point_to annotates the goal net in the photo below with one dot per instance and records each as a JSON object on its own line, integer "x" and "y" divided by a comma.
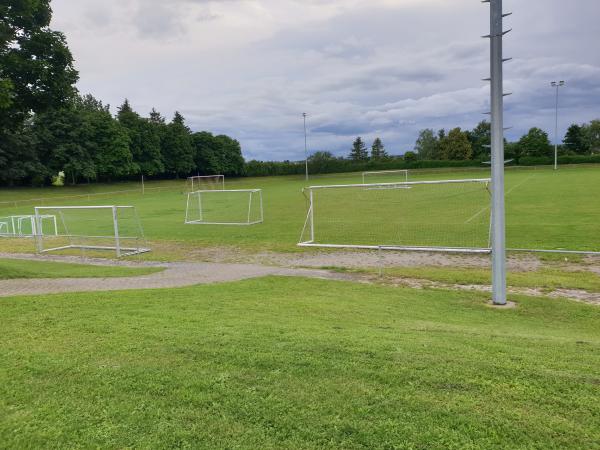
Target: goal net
{"x": 231, "y": 207}
{"x": 385, "y": 176}
{"x": 451, "y": 215}
{"x": 26, "y": 226}
{"x": 112, "y": 228}
{"x": 205, "y": 182}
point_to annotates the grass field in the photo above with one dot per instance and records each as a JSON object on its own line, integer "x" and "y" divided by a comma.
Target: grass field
{"x": 13, "y": 269}
{"x": 295, "y": 363}
{"x": 545, "y": 209}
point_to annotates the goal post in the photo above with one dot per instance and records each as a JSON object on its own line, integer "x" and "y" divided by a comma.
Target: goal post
{"x": 224, "y": 207}
{"x": 385, "y": 176}
{"x": 205, "y": 182}
{"x": 112, "y": 228}
{"x": 445, "y": 216}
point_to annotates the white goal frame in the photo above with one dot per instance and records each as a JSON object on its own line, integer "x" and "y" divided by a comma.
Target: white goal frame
{"x": 385, "y": 172}
{"x": 120, "y": 249}
{"x": 310, "y": 219}
{"x": 220, "y": 182}
{"x": 12, "y": 226}
{"x": 200, "y": 194}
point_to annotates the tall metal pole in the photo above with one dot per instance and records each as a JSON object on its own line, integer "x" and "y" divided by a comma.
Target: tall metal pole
{"x": 305, "y": 146}
{"x": 497, "y": 128}
{"x": 556, "y": 85}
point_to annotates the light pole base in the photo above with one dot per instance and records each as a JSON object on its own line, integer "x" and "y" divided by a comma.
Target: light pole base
{"x": 508, "y": 305}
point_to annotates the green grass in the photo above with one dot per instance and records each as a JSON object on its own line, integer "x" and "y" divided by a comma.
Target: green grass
{"x": 294, "y": 363}
{"x": 545, "y": 209}
{"x": 14, "y": 268}
{"x": 549, "y": 278}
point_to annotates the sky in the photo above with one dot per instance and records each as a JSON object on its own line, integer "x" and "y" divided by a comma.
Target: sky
{"x": 369, "y": 68}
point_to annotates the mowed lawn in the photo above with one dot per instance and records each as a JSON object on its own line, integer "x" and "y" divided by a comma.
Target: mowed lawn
{"x": 296, "y": 363}
{"x": 545, "y": 210}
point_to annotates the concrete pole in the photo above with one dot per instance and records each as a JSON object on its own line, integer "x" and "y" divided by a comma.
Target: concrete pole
{"x": 497, "y": 126}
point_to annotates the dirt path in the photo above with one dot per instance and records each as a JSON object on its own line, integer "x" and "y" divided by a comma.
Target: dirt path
{"x": 174, "y": 275}
{"x": 183, "y": 274}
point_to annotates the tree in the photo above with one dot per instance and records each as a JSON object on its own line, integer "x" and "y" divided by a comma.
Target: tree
{"x": 144, "y": 141}
{"x": 378, "y": 150}
{"x": 535, "y": 143}
{"x": 320, "y": 162}
{"x": 62, "y": 141}
{"x": 36, "y": 75}
{"x": 359, "y": 150}
{"x": 83, "y": 140}
{"x": 426, "y": 146}
{"x": 456, "y": 146}
{"x": 575, "y": 140}
{"x": 177, "y": 148}
{"x": 592, "y": 136}
{"x": 481, "y": 139}
{"x": 410, "y": 157}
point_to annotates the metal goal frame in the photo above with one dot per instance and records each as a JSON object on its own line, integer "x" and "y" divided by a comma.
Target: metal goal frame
{"x": 120, "y": 249}
{"x": 199, "y": 194}
{"x": 310, "y": 219}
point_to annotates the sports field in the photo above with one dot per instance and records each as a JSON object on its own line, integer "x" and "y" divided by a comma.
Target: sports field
{"x": 545, "y": 210}
{"x": 412, "y": 357}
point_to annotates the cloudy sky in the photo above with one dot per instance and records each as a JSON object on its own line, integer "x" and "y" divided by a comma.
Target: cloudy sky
{"x": 387, "y": 68}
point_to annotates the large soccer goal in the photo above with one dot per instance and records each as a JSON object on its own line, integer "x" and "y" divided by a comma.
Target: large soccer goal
{"x": 205, "y": 182}
{"x": 112, "y": 228}
{"x": 450, "y": 216}
{"x": 385, "y": 176}
{"x": 225, "y": 207}
{"x": 26, "y": 226}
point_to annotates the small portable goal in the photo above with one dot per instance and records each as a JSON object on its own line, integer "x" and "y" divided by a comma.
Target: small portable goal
{"x": 385, "y": 176}
{"x": 224, "y": 207}
{"x": 205, "y": 182}
{"x": 108, "y": 228}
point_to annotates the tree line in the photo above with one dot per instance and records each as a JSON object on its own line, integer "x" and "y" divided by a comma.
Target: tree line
{"x": 47, "y": 127}
{"x": 459, "y": 145}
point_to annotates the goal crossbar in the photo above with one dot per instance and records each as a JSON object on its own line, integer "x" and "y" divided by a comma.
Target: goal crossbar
{"x": 399, "y": 183}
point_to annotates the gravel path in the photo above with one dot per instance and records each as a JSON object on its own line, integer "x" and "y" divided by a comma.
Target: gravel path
{"x": 174, "y": 275}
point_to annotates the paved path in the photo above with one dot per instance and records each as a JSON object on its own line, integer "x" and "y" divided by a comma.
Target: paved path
{"x": 174, "y": 275}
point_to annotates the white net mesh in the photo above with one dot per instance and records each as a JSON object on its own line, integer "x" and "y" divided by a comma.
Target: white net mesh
{"x": 115, "y": 228}
{"x": 433, "y": 215}
{"x": 236, "y": 207}
{"x": 385, "y": 176}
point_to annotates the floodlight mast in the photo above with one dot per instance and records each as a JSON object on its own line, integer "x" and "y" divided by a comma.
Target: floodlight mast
{"x": 557, "y": 85}
{"x": 497, "y": 128}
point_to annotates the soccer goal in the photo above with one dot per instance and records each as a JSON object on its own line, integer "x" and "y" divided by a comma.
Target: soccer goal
{"x": 448, "y": 216}
{"x": 206, "y": 182}
{"x": 112, "y": 228}
{"x": 225, "y": 207}
{"x": 26, "y": 226}
{"x": 385, "y": 176}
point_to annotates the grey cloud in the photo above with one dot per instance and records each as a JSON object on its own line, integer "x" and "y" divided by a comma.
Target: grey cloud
{"x": 375, "y": 68}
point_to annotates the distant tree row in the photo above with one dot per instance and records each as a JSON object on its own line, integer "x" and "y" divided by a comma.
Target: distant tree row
{"x": 475, "y": 144}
